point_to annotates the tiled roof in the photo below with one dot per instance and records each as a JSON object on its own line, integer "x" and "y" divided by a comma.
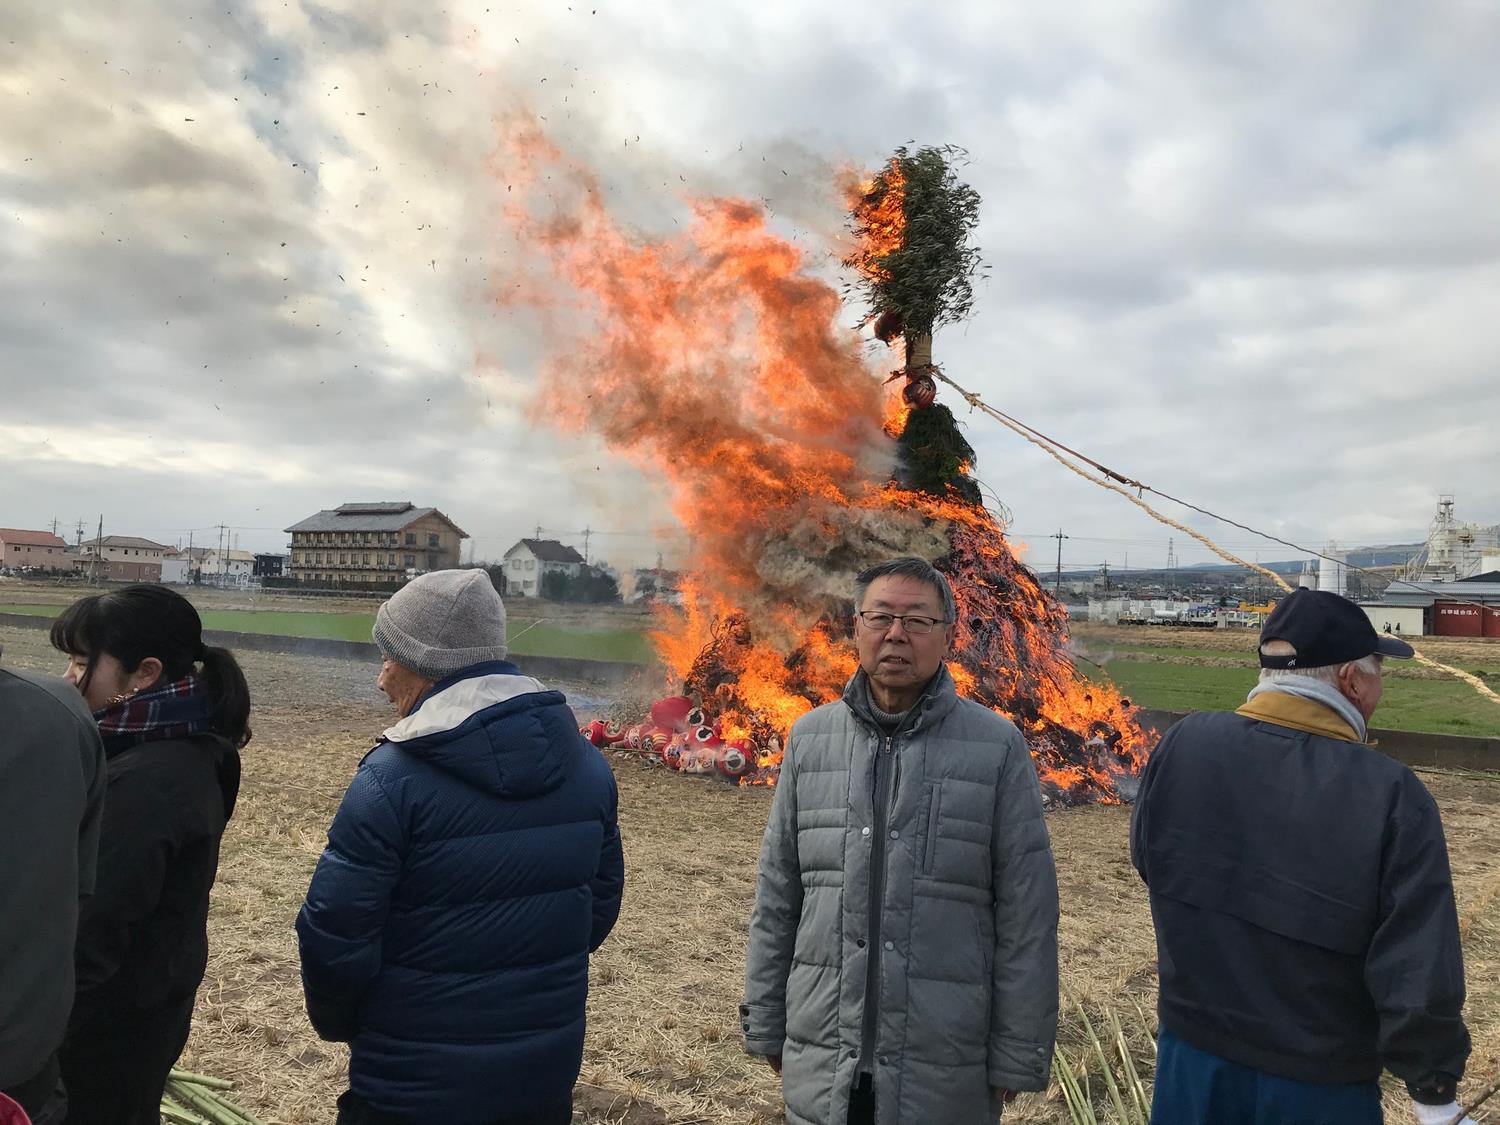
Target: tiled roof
{"x": 132, "y": 541}
{"x": 384, "y": 516}
{"x": 18, "y": 537}
{"x": 550, "y": 550}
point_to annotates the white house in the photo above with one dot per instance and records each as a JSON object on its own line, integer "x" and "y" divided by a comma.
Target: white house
{"x": 232, "y": 566}
{"x": 530, "y": 559}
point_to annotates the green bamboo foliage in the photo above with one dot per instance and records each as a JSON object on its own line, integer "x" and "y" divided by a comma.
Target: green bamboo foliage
{"x": 927, "y": 281}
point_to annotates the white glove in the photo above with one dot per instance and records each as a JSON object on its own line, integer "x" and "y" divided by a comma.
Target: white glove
{"x": 1439, "y": 1114}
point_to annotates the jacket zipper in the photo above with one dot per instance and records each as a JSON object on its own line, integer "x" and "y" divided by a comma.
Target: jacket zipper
{"x": 887, "y": 767}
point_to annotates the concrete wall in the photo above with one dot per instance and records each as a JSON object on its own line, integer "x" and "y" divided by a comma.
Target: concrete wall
{"x": 1404, "y": 619}
{"x": 602, "y": 672}
{"x": 1436, "y": 751}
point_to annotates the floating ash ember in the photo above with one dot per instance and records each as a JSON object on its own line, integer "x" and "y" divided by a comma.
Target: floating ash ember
{"x": 712, "y": 359}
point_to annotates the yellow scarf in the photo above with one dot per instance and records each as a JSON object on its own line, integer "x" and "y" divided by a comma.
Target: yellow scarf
{"x": 1300, "y": 714}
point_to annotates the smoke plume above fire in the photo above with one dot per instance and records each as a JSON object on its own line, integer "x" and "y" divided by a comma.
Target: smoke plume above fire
{"x": 721, "y": 365}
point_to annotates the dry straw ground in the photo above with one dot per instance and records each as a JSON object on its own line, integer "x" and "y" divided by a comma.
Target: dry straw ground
{"x": 663, "y": 1039}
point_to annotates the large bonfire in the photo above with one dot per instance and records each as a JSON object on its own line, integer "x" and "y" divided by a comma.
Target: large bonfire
{"x": 714, "y": 360}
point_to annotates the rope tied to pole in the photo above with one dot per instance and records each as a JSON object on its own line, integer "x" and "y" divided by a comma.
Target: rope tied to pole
{"x": 1051, "y": 447}
{"x": 1046, "y": 445}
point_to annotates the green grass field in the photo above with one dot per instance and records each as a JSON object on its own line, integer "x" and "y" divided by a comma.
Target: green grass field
{"x": 1168, "y": 677}
{"x": 1444, "y": 706}
{"x": 528, "y": 638}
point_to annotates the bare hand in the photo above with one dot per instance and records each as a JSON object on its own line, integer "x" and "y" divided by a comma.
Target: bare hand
{"x": 774, "y": 1061}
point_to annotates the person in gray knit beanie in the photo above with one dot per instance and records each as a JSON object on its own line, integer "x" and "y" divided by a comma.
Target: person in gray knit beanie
{"x": 441, "y": 623}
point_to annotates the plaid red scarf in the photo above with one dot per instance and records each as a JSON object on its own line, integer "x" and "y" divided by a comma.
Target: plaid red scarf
{"x": 173, "y": 710}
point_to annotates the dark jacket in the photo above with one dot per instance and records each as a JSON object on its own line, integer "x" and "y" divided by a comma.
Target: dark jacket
{"x": 1304, "y": 910}
{"x": 51, "y": 800}
{"x": 473, "y": 866}
{"x": 143, "y": 936}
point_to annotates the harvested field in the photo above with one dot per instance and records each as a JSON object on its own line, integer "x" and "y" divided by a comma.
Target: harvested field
{"x": 663, "y": 1043}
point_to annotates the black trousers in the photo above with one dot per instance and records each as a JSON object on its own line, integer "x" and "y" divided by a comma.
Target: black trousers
{"x": 42, "y": 1096}
{"x": 354, "y": 1110}
{"x": 116, "y": 1077}
{"x": 862, "y": 1102}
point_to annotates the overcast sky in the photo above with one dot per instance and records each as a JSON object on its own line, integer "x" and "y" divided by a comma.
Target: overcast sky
{"x": 1247, "y": 253}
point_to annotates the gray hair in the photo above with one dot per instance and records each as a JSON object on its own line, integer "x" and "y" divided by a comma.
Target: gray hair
{"x": 908, "y": 566}
{"x": 1329, "y": 673}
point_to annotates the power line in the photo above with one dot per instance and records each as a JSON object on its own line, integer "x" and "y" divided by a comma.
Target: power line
{"x": 1052, "y": 445}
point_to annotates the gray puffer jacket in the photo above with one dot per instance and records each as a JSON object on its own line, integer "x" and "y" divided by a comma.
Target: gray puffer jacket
{"x": 905, "y": 918}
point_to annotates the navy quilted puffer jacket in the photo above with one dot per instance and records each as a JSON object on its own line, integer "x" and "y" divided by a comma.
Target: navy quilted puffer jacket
{"x": 472, "y": 868}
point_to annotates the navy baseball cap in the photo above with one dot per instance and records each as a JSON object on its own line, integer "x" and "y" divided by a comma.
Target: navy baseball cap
{"x": 1325, "y": 630}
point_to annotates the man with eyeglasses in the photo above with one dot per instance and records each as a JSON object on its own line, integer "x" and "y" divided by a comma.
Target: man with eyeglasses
{"x": 902, "y": 964}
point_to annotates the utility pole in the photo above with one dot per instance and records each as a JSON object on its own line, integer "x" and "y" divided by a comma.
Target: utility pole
{"x": 1057, "y": 586}
{"x": 192, "y": 579}
{"x": 54, "y": 525}
{"x": 98, "y": 552}
{"x": 586, "y": 533}
{"x": 78, "y": 543}
{"x": 538, "y": 531}
{"x": 1171, "y": 564}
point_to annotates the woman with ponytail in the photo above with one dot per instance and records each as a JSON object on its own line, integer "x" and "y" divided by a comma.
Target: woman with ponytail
{"x": 173, "y": 714}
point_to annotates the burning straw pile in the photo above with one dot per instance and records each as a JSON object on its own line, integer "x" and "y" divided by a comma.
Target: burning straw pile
{"x": 714, "y": 361}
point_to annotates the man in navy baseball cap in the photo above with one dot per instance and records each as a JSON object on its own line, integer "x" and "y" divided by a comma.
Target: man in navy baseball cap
{"x": 1306, "y": 931}
{"x": 1319, "y": 629}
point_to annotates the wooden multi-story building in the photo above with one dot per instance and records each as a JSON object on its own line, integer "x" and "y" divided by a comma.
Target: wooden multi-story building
{"x": 361, "y": 544}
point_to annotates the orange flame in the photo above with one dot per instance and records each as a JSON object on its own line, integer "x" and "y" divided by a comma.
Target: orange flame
{"x": 712, "y": 359}
{"x": 878, "y": 205}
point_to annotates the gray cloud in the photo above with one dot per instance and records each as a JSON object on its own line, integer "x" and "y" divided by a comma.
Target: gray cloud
{"x": 1241, "y": 253}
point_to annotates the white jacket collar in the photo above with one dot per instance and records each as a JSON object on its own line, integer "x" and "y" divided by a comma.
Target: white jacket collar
{"x": 450, "y": 708}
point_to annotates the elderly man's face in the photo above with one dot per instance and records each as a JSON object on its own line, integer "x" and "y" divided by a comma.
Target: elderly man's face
{"x": 401, "y": 686}
{"x": 898, "y": 661}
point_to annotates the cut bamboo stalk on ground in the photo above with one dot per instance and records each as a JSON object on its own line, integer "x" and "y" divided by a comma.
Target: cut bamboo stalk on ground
{"x": 176, "y": 1114}
{"x": 199, "y": 1079}
{"x": 198, "y": 1099}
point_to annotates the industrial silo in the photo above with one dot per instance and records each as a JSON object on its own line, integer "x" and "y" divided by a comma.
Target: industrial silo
{"x": 1333, "y": 570}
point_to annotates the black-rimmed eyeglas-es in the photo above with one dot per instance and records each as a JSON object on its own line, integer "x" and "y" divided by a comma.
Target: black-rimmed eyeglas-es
{"x": 881, "y": 622}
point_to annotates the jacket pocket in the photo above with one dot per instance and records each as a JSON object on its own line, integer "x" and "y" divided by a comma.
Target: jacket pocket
{"x": 934, "y": 814}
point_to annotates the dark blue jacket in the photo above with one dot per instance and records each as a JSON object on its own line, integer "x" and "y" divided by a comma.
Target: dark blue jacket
{"x": 1305, "y": 921}
{"x": 472, "y": 868}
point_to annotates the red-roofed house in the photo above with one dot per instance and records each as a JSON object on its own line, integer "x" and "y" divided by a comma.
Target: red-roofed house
{"x": 40, "y": 549}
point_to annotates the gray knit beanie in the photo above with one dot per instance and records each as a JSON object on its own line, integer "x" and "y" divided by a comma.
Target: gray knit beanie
{"x": 442, "y": 622}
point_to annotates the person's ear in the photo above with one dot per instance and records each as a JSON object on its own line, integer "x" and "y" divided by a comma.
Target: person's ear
{"x": 146, "y": 673}
{"x": 1349, "y": 685}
